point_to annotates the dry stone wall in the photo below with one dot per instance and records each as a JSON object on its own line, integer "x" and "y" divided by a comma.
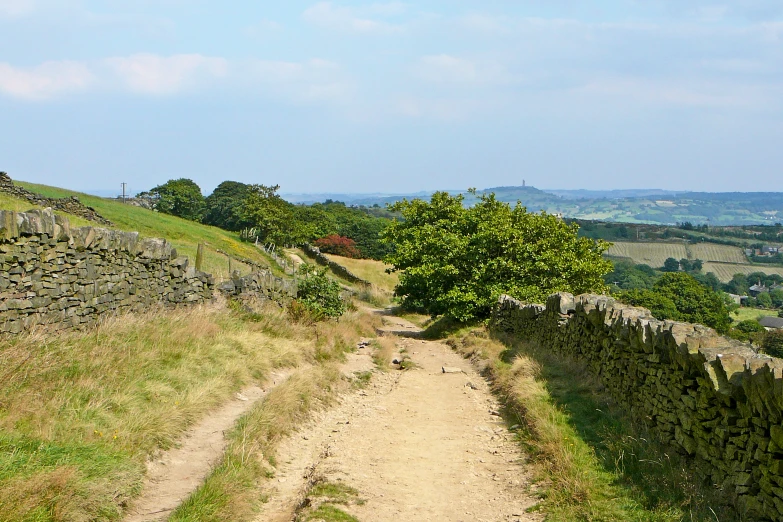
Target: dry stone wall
{"x": 338, "y": 269}
{"x": 70, "y": 205}
{"x": 712, "y": 398}
{"x": 260, "y": 285}
{"x": 53, "y": 275}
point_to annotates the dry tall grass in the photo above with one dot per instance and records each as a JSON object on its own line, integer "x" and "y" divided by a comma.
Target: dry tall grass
{"x": 80, "y": 412}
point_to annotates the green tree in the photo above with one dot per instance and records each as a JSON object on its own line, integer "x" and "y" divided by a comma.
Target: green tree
{"x": 671, "y": 265}
{"x": 685, "y": 264}
{"x": 738, "y": 285}
{"x": 697, "y": 265}
{"x": 747, "y": 330}
{"x": 269, "y": 214}
{"x": 764, "y": 300}
{"x": 777, "y": 297}
{"x": 223, "y": 208}
{"x": 695, "y": 302}
{"x": 178, "y": 197}
{"x": 662, "y": 307}
{"x": 456, "y": 261}
{"x": 772, "y": 344}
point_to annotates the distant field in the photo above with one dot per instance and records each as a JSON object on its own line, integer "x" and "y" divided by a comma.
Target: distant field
{"x": 725, "y": 271}
{"x": 369, "y": 270}
{"x": 743, "y": 314}
{"x": 653, "y": 254}
{"x": 722, "y": 253}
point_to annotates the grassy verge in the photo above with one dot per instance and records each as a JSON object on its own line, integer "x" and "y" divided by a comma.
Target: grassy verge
{"x": 183, "y": 234}
{"x": 593, "y": 462}
{"x": 80, "y": 413}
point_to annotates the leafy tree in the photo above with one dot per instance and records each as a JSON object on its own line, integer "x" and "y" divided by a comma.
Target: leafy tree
{"x": 772, "y": 344}
{"x": 338, "y": 245}
{"x": 764, "y": 300}
{"x": 692, "y": 302}
{"x": 697, "y": 265}
{"x": 738, "y": 285}
{"x": 710, "y": 280}
{"x": 671, "y": 265}
{"x": 780, "y": 314}
{"x": 747, "y": 330}
{"x": 661, "y": 306}
{"x": 270, "y": 214}
{"x": 223, "y": 208}
{"x": 457, "y": 261}
{"x": 685, "y": 264}
{"x": 178, "y": 197}
{"x": 319, "y": 294}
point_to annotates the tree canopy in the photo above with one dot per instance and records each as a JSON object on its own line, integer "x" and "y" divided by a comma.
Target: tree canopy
{"x": 679, "y": 296}
{"x": 456, "y": 261}
{"x": 223, "y": 206}
{"x": 178, "y": 197}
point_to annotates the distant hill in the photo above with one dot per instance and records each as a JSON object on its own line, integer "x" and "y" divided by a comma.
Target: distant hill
{"x": 611, "y": 194}
{"x": 651, "y": 206}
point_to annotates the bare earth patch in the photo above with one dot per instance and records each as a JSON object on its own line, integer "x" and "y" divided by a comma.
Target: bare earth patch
{"x": 416, "y": 445}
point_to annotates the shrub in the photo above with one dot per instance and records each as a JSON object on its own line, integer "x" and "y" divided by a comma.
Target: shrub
{"x": 318, "y": 294}
{"x": 339, "y": 246}
{"x": 747, "y": 330}
{"x": 772, "y": 344}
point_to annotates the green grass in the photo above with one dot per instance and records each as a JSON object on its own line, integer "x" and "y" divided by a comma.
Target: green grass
{"x": 743, "y": 314}
{"x": 81, "y": 412}
{"x": 322, "y": 501}
{"x": 184, "y": 235}
{"x": 595, "y": 463}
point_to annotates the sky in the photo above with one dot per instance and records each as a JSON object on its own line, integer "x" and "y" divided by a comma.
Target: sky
{"x": 393, "y": 97}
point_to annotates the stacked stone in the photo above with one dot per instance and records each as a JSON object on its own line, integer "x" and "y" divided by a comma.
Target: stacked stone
{"x": 711, "y": 397}
{"x": 53, "y": 275}
{"x": 315, "y": 253}
{"x": 260, "y": 285}
{"x": 70, "y": 205}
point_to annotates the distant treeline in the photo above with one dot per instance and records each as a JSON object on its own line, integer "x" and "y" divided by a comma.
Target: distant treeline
{"x": 258, "y": 211}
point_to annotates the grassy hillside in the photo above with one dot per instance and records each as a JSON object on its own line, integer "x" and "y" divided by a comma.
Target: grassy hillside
{"x": 81, "y": 412}
{"x": 183, "y": 234}
{"x": 371, "y": 271}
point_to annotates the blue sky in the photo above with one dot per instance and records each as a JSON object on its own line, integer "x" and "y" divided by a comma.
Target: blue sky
{"x": 396, "y": 96}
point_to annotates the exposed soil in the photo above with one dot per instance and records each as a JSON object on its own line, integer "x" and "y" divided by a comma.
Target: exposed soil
{"x": 175, "y": 474}
{"x": 418, "y": 445}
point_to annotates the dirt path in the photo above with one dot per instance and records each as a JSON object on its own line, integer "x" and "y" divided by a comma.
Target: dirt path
{"x": 419, "y": 445}
{"x": 175, "y": 474}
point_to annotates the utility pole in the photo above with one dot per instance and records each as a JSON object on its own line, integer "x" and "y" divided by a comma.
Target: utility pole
{"x": 123, "y": 191}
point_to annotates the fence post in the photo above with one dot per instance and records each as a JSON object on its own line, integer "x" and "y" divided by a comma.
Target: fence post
{"x": 200, "y": 257}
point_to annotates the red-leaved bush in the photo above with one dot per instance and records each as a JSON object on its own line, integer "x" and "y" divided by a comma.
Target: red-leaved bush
{"x": 338, "y": 245}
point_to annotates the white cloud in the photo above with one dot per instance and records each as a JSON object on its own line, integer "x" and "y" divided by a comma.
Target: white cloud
{"x": 693, "y": 92}
{"x": 154, "y": 74}
{"x": 448, "y": 69}
{"x": 357, "y": 20}
{"x": 44, "y": 81}
{"x": 14, "y": 8}
{"x": 310, "y": 81}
